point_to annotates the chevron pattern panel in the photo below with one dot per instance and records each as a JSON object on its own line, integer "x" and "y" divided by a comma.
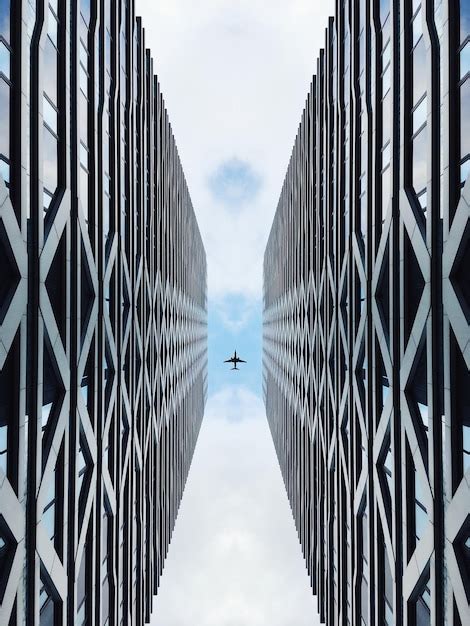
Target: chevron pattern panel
{"x": 366, "y": 317}
{"x": 103, "y": 317}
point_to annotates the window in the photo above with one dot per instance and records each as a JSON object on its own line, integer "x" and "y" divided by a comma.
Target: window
{"x": 386, "y": 184}
{"x": 463, "y": 57}
{"x": 384, "y": 10}
{"x": 3, "y": 446}
{"x": 81, "y": 468}
{"x": 420, "y": 115}
{"x": 52, "y": 391}
{"x": 5, "y": 20}
{"x": 8, "y": 381}
{"x": 4, "y": 118}
{"x": 83, "y": 54}
{"x": 465, "y": 61}
{"x": 49, "y": 115}
{"x": 386, "y": 156}
{"x": 4, "y": 60}
{"x": 84, "y": 156}
{"x": 417, "y": 26}
{"x": 419, "y": 162}
{"x": 48, "y": 607}
{"x": 46, "y": 201}
{"x": 49, "y": 514}
{"x": 420, "y": 513}
{"x": 421, "y": 608}
{"x": 52, "y": 27}
{"x": 465, "y": 120}
{"x": 50, "y": 161}
{"x": 464, "y": 20}
{"x": 85, "y": 11}
{"x": 82, "y": 589}
{"x": 83, "y": 191}
{"x": 386, "y": 116}
{"x": 386, "y": 584}
{"x": 83, "y": 80}
{"x": 5, "y": 170}
{"x": 419, "y": 58}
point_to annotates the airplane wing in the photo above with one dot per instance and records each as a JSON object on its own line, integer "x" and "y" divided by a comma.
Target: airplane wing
{"x": 241, "y": 361}
{"x": 230, "y": 360}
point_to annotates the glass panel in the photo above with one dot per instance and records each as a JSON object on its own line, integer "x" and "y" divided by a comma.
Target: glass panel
{"x": 364, "y": 601}
{"x": 385, "y": 193}
{"x": 466, "y": 447}
{"x": 83, "y": 55}
{"x": 4, "y": 118}
{"x": 384, "y": 10}
{"x": 421, "y": 514}
{"x": 419, "y": 71}
{"x": 50, "y": 73}
{"x": 81, "y": 467}
{"x": 48, "y": 517}
{"x": 423, "y": 200}
{"x": 416, "y": 4}
{"x": 105, "y": 600}
{"x": 83, "y": 115}
{"x": 386, "y": 55}
{"x": 465, "y": 119}
{"x": 52, "y": 28}
{"x": 5, "y": 171}
{"x": 84, "y": 388}
{"x": 386, "y": 156}
{"x": 81, "y": 592}
{"x": 464, "y": 171}
{"x": 417, "y": 28}
{"x": 83, "y": 80}
{"x": 388, "y": 467}
{"x": 46, "y": 201}
{"x": 50, "y": 161}
{"x": 388, "y": 591}
{"x": 49, "y": 115}
{"x": 83, "y": 197}
{"x": 4, "y": 60}
{"x": 465, "y": 60}
{"x": 386, "y": 80}
{"x": 5, "y": 19}
{"x": 386, "y": 113}
{"x": 47, "y": 612}
{"x": 45, "y": 414}
{"x": 83, "y": 156}
{"x": 107, "y": 58}
{"x": 464, "y": 20}
{"x": 419, "y": 115}
{"x": 423, "y": 612}
{"x": 420, "y": 145}
{"x": 85, "y": 10}
{"x": 3, "y": 446}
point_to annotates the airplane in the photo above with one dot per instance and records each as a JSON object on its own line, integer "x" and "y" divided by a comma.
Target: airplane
{"x": 235, "y": 360}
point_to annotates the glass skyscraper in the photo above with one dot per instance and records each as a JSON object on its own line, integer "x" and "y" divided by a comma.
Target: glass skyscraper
{"x": 103, "y": 317}
{"x": 367, "y": 313}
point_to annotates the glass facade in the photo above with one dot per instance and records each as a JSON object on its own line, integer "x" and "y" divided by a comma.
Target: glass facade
{"x": 103, "y": 317}
{"x": 367, "y": 313}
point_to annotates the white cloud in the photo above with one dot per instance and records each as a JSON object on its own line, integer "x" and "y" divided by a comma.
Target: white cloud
{"x": 235, "y": 75}
{"x": 234, "y": 558}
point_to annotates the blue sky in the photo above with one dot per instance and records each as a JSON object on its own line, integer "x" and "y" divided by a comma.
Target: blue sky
{"x": 235, "y": 183}
{"x": 235, "y": 75}
{"x": 235, "y": 326}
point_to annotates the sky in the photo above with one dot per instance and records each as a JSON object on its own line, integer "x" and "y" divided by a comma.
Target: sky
{"x": 235, "y": 76}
